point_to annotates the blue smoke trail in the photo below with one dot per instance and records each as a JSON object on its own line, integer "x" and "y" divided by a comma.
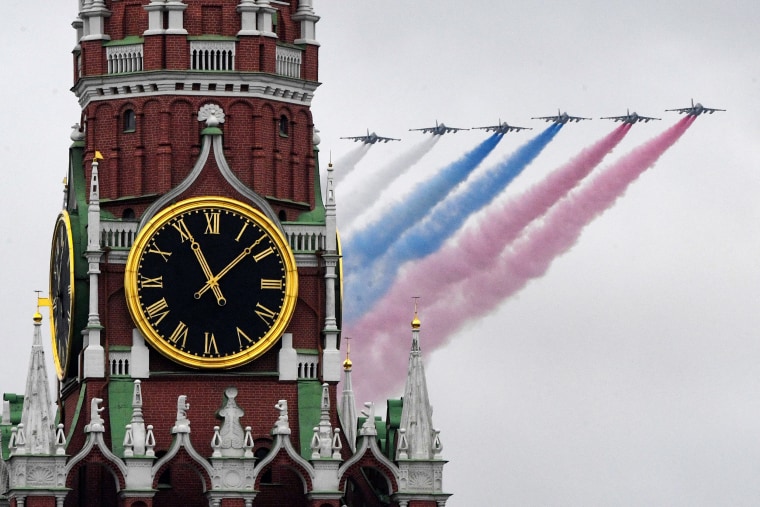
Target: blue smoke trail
{"x": 427, "y": 236}
{"x": 370, "y": 243}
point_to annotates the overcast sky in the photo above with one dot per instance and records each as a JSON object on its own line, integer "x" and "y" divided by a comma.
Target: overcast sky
{"x": 629, "y": 374}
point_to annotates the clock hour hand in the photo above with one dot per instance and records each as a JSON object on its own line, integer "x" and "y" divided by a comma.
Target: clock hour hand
{"x": 213, "y": 281}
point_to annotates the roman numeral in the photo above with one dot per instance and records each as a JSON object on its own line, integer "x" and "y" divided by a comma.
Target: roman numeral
{"x": 210, "y": 344}
{"x": 240, "y": 234}
{"x": 242, "y": 335}
{"x": 180, "y": 333}
{"x": 212, "y": 222}
{"x": 265, "y": 313}
{"x": 257, "y": 257}
{"x": 151, "y": 283}
{"x": 154, "y": 249}
{"x": 184, "y": 232}
{"x": 158, "y": 310}
{"x": 271, "y": 284}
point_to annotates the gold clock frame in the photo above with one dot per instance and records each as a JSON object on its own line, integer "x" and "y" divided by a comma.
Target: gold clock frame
{"x": 63, "y": 220}
{"x": 275, "y": 331}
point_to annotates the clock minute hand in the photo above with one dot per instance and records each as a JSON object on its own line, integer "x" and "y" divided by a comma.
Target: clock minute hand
{"x": 213, "y": 280}
{"x": 210, "y": 279}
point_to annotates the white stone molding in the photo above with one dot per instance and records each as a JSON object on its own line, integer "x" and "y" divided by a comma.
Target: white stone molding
{"x": 128, "y": 58}
{"x": 248, "y": 10}
{"x": 305, "y": 14}
{"x": 212, "y": 55}
{"x": 287, "y": 359}
{"x": 175, "y": 10}
{"x": 308, "y": 366}
{"x": 288, "y": 61}
{"x": 139, "y": 363}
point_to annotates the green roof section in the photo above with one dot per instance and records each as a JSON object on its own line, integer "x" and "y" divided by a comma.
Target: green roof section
{"x": 393, "y": 422}
{"x": 16, "y": 402}
{"x": 318, "y": 214}
{"x": 309, "y": 412}
{"x": 119, "y": 411}
{"x": 77, "y": 412}
{"x": 127, "y": 41}
{"x": 212, "y": 37}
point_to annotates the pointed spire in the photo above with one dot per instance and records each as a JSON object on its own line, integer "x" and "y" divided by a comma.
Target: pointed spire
{"x": 323, "y": 433}
{"x": 347, "y": 412}
{"x": 421, "y": 439}
{"x": 36, "y": 416}
{"x": 137, "y": 422}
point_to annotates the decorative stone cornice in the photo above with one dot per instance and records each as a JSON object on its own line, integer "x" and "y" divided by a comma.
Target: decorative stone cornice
{"x": 165, "y": 83}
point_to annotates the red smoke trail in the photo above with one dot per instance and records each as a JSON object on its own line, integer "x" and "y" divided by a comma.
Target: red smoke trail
{"x": 481, "y": 292}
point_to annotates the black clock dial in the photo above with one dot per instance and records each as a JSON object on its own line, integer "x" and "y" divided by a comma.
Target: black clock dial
{"x": 62, "y": 292}
{"x": 211, "y": 283}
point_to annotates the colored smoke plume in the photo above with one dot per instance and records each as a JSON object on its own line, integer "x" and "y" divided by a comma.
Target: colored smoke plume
{"x": 442, "y": 222}
{"x": 370, "y": 243}
{"x": 346, "y": 164}
{"x": 386, "y": 336}
{"x": 364, "y": 195}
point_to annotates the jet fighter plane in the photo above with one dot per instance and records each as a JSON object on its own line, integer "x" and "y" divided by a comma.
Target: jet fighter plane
{"x": 371, "y": 138}
{"x": 630, "y": 117}
{"x": 502, "y": 128}
{"x": 560, "y": 118}
{"x": 695, "y": 109}
{"x": 438, "y": 130}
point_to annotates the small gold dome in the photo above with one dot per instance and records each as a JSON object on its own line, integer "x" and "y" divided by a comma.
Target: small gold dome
{"x": 416, "y": 322}
{"x": 347, "y": 364}
{"x": 37, "y": 317}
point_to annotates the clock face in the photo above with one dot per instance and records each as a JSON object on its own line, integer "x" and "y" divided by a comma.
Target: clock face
{"x": 62, "y": 292}
{"x": 211, "y": 283}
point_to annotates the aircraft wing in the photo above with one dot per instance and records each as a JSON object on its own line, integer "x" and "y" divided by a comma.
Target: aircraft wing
{"x": 546, "y": 118}
{"x": 576, "y": 118}
{"x": 362, "y": 139}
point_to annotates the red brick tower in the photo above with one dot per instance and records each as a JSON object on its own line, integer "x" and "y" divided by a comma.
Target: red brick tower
{"x": 194, "y": 295}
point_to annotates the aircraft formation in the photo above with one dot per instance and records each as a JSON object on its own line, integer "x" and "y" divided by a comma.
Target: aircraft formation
{"x": 561, "y": 118}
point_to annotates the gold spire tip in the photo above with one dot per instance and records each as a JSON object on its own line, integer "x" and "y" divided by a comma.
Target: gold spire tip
{"x": 97, "y": 156}
{"x": 416, "y": 320}
{"x": 347, "y": 364}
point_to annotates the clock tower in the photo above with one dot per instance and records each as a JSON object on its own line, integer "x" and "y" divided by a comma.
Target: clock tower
{"x": 194, "y": 280}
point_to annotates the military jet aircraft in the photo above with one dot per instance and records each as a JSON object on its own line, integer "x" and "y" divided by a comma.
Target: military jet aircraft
{"x": 560, "y": 118}
{"x": 371, "y": 138}
{"x": 630, "y": 117}
{"x": 695, "y": 109}
{"x": 502, "y": 128}
{"x": 438, "y": 130}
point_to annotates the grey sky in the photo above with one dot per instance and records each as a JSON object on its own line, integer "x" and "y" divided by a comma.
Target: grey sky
{"x": 629, "y": 374}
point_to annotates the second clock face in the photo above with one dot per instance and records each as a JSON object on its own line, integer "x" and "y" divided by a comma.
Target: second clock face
{"x": 62, "y": 293}
{"x": 211, "y": 283}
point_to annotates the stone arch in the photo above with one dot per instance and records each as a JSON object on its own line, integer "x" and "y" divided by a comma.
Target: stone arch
{"x": 186, "y": 485}
{"x": 184, "y": 150}
{"x": 240, "y": 134}
{"x": 303, "y": 136}
{"x": 185, "y": 461}
{"x": 97, "y": 470}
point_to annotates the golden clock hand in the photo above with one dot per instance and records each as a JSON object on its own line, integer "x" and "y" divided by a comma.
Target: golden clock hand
{"x": 214, "y": 280}
{"x": 210, "y": 279}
